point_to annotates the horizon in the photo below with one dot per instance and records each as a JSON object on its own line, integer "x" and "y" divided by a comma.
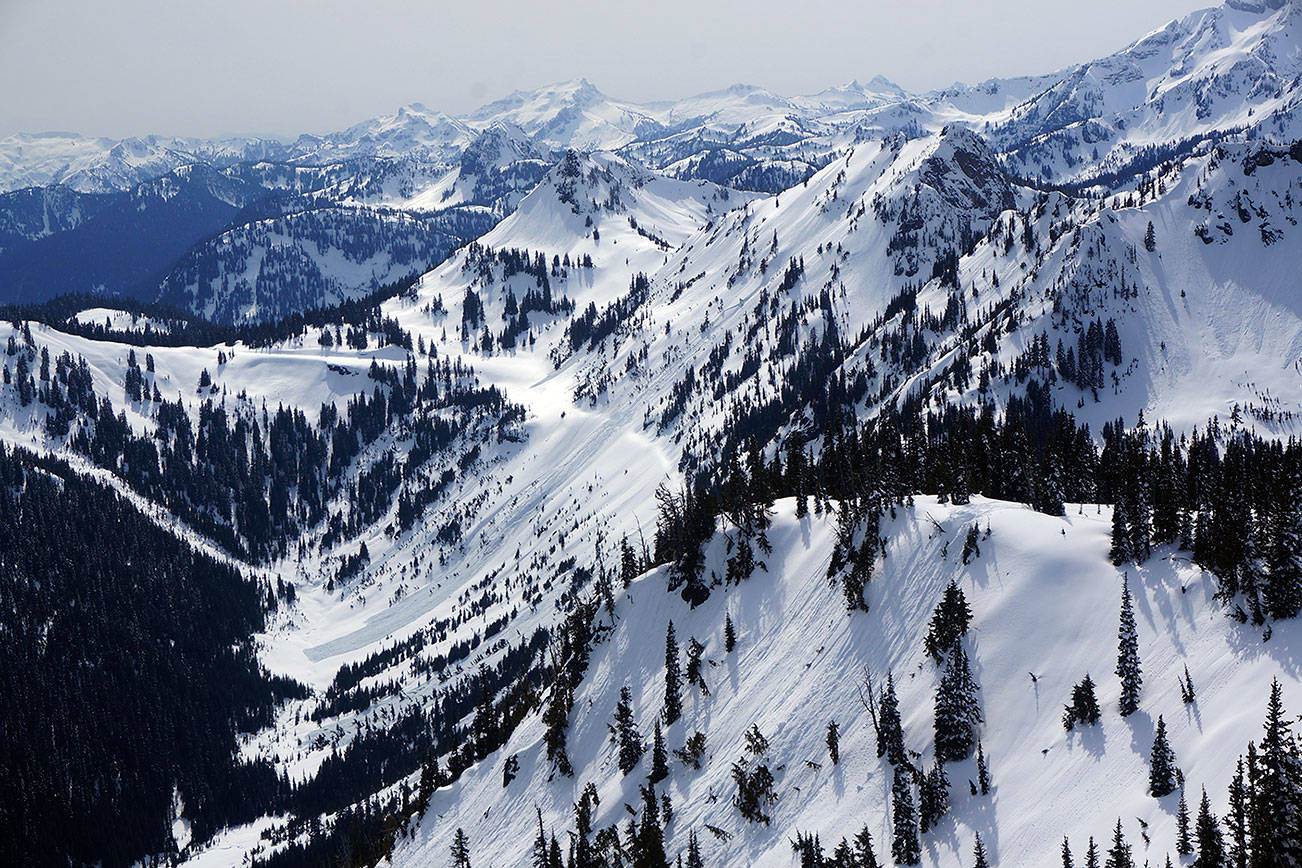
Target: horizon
{"x": 204, "y": 74}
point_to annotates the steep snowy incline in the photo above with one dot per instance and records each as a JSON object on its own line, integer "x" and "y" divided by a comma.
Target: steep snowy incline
{"x": 1045, "y": 601}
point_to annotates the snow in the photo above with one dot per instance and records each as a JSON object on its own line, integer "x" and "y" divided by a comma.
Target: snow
{"x": 1045, "y": 601}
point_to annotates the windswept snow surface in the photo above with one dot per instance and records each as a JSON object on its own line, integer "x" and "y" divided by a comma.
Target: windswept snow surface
{"x": 1045, "y": 600}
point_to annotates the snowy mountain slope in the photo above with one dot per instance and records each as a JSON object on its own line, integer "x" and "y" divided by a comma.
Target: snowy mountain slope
{"x": 650, "y": 326}
{"x": 268, "y": 269}
{"x": 105, "y": 165}
{"x": 1045, "y": 601}
{"x": 1220, "y": 69}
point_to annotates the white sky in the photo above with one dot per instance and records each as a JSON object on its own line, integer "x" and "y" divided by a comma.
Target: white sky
{"x": 280, "y": 67}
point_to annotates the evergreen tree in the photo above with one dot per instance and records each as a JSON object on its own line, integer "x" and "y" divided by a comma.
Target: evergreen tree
{"x": 1281, "y": 590}
{"x": 1119, "y": 852}
{"x": 1066, "y": 853}
{"x": 833, "y": 742}
{"x": 1150, "y": 238}
{"x": 1084, "y": 706}
{"x": 649, "y": 845}
{"x": 1162, "y": 772}
{"x": 694, "y": 851}
{"x": 624, "y": 731}
{"x": 729, "y": 634}
{"x": 979, "y": 854}
{"x": 460, "y": 850}
{"x": 983, "y": 771}
{"x": 1128, "y": 669}
{"x": 949, "y": 622}
{"x": 1211, "y": 847}
{"x": 673, "y": 678}
{"x": 1277, "y": 791}
{"x": 1237, "y": 819}
{"x": 1092, "y": 854}
{"x": 1183, "y": 844}
{"x": 957, "y": 712}
{"x": 539, "y": 856}
{"x": 891, "y": 737}
{"x": 659, "y": 758}
{"x": 863, "y": 850}
{"x": 904, "y": 844}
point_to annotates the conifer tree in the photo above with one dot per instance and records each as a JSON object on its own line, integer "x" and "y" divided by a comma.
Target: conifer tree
{"x": 891, "y": 741}
{"x": 729, "y": 634}
{"x": 833, "y": 742}
{"x": 1277, "y": 791}
{"x": 957, "y": 712}
{"x": 949, "y": 622}
{"x": 1281, "y": 589}
{"x": 460, "y": 850}
{"x": 1119, "y": 852}
{"x": 1066, "y": 853}
{"x": 625, "y": 733}
{"x": 539, "y": 856}
{"x": 983, "y": 771}
{"x": 1120, "y": 551}
{"x": 1092, "y": 854}
{"x": 979, "y": 854}
{"x": 673, "y": 678}
{"x": 694, "y": 851}
{"x": 659, "y": 758}
{"x": 1128, "y": 669}
{"x": 1161, "y": 772}
{"x": 904, "y": 844}
{"x": 863, "y": 850}
{"x": 1084, "y": 706}
{"x": 1237, "y": 819}
{"x": 1183, "y": 844}
{"x": 649, "y": 849}
{"x": 1211, "y": 847}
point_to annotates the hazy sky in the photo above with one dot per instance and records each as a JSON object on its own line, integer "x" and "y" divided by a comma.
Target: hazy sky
{"x": 124, "y": 67}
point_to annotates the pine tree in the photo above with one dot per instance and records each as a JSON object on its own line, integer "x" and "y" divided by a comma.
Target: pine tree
{"x": 1282, "y": 587}
{"x": 673, "y": 678}
{"x": 1092, "y": 854}
{"x": 1084, "y": 706}
{"x": 1237, "y": 819}
{"x": 949, "y": 622}
{"x": 904, "y": 845}
{"x": 833, "y": 742}
{"x": 983, "y": 771}
{"x": 460, "y": 849}
{"x": 1277, "y": 793}
{"x": 1183, "y": 845}
{"x": 1161, "y": 774}
{"x": 863, "y": 850}
{"x": 979, "y": 854}
{"x": 649, "y": 850}
{"x": 1128, "y": 669}
{"x": 1119, "y": 852}
{"x": 539, "y": 858}
{"x": 694, "y": 852}
{"x": 1066, "y": 853}
{"x": 625, "y": 733}
{"x": 957, "y": 712}
{"x": 659, "y": 758}
{"x": 1120, "y": 551}
{"x": 1211, "y": 847}
{"x": 729, "y": 634}
{"x": 891, "y": 740}
{"x": 1150, "y": 238}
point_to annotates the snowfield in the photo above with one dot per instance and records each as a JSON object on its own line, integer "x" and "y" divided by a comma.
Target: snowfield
{"x": 1045, "y": 601}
